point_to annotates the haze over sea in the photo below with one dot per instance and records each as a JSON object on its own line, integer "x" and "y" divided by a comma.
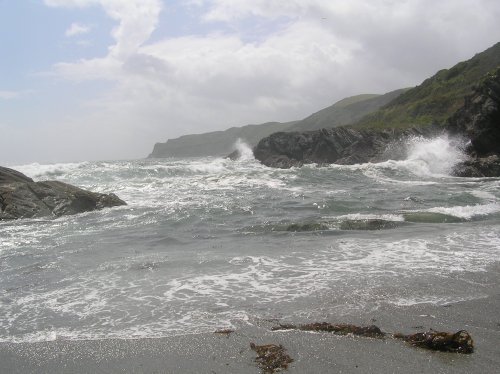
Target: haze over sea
{"x": 210, "y": 243}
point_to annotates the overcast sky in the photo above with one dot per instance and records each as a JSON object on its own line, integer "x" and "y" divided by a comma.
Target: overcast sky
{"x": 106, "y": 79}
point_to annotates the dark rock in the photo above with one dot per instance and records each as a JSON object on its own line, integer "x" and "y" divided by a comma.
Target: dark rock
{"x": 235, "y": 155}
{"x": 341, "y": 145}
{"x": 459, "y": 342}
{"x": 21, "y": 197}
{"x": 478, "y": 167}
{"x": 479, "y": 118}
{"x": 479, "y": 121}
{"x": 271, "y": 357}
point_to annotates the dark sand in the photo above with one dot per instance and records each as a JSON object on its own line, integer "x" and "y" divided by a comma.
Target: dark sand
{"x": 312, "y": 352}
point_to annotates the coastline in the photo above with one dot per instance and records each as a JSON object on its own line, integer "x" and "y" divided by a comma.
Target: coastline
{"x": 312, "y": 352}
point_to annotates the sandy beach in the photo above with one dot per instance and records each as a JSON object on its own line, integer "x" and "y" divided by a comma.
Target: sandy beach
{"x": 312, "y": 352}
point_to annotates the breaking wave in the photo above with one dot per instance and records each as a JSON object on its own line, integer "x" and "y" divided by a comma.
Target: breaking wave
{"x": 244, "y": 150}
{"x": 435, "y": 156}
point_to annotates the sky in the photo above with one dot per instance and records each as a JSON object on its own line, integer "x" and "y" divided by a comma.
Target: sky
{"x": 107, "y": 79}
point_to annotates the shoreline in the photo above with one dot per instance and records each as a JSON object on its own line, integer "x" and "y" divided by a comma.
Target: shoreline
{"x": 311, "y": 352}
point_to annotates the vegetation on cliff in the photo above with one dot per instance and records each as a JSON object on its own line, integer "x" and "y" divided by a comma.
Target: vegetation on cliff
{"x": 438, "y": 97}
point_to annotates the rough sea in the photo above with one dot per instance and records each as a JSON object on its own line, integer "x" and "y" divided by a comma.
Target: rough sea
{"x": 210, "y": 243}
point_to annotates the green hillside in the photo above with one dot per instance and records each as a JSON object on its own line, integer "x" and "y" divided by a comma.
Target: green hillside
{"x": 438, "y": 97}
{"x": 345, "y": 111}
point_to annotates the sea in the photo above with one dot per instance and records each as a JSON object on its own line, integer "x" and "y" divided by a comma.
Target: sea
{"x": 211, "y": 243}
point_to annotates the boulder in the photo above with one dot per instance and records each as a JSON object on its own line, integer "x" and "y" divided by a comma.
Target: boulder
{"x": 21, "y": 197}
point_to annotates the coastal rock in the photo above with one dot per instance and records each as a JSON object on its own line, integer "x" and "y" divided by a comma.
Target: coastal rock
{"x": 478, "y": 167}
{"x": 21, "y": 197}
{"x": 479, "y": 121}
{"x": 341, "y": 145}
{"x": 479, "y": 118}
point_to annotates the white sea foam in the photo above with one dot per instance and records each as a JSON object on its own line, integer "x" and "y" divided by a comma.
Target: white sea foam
{"x": 467, "y": 211}
{"x": 45, "y": 171}
{"x": 114, "y": 274}
{"x": 361, "y": 217}
{"x": 484, "y": 195}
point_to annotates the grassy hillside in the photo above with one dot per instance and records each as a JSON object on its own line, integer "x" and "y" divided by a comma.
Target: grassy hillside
{"x": 345, "y": 111}
{"x": 438, "y": 97}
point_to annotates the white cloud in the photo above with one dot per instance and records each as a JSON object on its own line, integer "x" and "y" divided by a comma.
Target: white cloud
{"x": 137, "y": 19}
{"x": 313, "y": 53}
{"x": 77, "y": 29}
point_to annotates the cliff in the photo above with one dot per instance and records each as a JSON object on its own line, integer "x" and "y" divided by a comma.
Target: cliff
{"x": 479, "y": 121}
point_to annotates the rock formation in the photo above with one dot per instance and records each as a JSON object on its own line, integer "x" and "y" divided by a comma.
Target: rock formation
{"x": 479, "y": 121}
{"x": 21, "y": 197}
{"x": 341, "y": 145}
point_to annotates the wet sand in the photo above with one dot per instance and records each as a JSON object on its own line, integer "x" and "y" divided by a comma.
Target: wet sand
{"x": 312, "y": 352}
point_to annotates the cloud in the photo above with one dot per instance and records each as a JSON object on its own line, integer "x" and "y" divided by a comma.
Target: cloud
{"x": 137, "y": 19}
{"x": 77, "y": 29}
{"x": 309, "y": 53}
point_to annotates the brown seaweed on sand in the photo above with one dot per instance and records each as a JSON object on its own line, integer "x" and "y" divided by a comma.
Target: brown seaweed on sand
{"x": 271, "y": 357}
{"x": 225, "y": 332}
{"x": 338, "y": 329}
{"x": 459, "y": 342}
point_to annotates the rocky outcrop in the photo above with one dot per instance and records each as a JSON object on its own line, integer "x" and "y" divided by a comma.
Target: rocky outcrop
{"x": 478, "y": 167}
{"x": 341, "y": 145}
{"x": 21, "y": 197}
{"x": 479, "y": 121}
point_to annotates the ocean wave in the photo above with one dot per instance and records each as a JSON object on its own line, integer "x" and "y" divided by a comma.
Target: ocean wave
{"x": 468, "y": 211}
{"x": 49, "y": 171}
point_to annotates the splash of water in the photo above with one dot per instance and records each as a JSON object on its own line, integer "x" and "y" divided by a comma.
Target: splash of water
{"x": 244, "y": 150}
{"x": 435, "y": 156}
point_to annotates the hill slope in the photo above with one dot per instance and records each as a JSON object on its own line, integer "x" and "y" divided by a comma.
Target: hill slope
{"x": 346, "y": 111}
{"x": 218, "y": 143}
{"x": 438, "y": 97}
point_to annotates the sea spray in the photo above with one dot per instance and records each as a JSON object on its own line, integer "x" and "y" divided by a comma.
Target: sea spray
{"x": 435, "y": 156}
{"x": 244, "y": 150}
